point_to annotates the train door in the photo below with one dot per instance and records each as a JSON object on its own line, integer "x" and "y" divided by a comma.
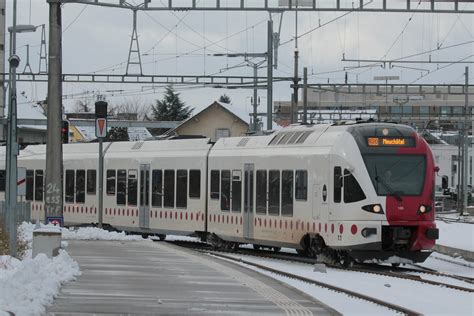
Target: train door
{"x": 248, "y": 200}
{"x": 144, "y": 218}
{"x": 320, "y": 193}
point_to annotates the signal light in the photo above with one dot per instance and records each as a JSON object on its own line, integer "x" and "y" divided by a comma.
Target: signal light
{"x": 65, "y": 132}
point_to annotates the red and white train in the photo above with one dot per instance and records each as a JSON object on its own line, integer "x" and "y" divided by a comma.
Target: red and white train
{"x": 355, "y": 190}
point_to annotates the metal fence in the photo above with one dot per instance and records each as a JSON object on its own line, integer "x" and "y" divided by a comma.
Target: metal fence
{"x": 23, "y": 211}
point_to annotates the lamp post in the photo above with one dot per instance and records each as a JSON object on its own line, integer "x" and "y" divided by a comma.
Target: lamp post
{"x": 12, "y": 144}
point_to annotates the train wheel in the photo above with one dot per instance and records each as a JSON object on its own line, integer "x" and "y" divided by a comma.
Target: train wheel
{"x": 256, "y": 247}
{"x": 145, "y": 236}
{"x": 235, "y": 247}
{"x": 276, "y": 249}
{"x": 161, "y": 237}
{"x": 345, "y": 260}
{"x": 395, "y": 265}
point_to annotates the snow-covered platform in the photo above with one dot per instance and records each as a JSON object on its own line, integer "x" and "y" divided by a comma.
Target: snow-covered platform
{"x": 158, "y": 278}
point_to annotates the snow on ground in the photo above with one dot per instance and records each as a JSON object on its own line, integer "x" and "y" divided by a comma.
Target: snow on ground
{"x": 448, "y": 264}
{"x": 456, "y": 235}
{"x": 83, "y": 233}
{"x": 417, "y": 296}
{"x": 27, "y": 286}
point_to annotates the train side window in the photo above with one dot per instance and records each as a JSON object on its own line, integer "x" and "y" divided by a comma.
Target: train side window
{"x": 29, "y": 185}
{"x": 352, "y": 190}
{"x": 91, "y": 181}
{"x": 261, "y": 192}
{"x": 39, "y": 185}
{"x": 132, "y": 187}
{"x": 111, "y": 182}
{"x": 182, "y": 188}
{"x": 157, "y": 188}
{"x": 70, "y": 181}
{"x": 169, "y": 189}
{"x": 80, "y": 186}
{"x": 215, "y": 184}
{"x": 287, "y": 193}
{"x": 121, "y": 187}
{"x": 274, "y": 192}
{"x": 225, "y": 190}
{"x": 337, "y": 184}
{"x": 236, "y": 191}
{"x": 3, "y": 180}
{"x": 301, "y": 185}
{"x": 195, "y": 183}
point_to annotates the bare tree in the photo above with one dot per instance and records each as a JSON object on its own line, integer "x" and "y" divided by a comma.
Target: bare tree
{"x": 82, "y": 106}
{"x": 131, "y": 109}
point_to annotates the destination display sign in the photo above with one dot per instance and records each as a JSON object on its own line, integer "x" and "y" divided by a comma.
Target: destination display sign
{"x": 390, "y": 142}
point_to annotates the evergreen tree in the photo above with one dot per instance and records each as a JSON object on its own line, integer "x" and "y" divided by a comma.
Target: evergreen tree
{"x": 171, "y": 108}
{"x": 225, "y": 99}
{"x": 117, "y": 134}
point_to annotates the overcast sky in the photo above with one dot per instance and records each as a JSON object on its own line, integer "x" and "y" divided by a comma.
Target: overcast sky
{"x": 97, "y": 39}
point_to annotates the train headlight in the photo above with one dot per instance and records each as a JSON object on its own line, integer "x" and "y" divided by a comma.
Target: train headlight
{"x": 373, "y": 208}
{"x": 423, "y": 209}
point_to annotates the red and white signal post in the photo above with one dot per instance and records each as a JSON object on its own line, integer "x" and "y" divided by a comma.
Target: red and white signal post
{"x": 100, "y": 133}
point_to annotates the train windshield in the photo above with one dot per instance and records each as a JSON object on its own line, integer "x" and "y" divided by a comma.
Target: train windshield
{"x": 396, "y": 175}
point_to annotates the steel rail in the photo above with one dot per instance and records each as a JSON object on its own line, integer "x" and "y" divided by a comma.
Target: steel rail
{"x": 371, "y": 269}
{"x": 388, "y": 305}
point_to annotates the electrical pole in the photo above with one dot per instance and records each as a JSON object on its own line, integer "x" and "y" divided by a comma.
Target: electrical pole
{"x": 269, "y": 74}
{"x": 294, "y": 107}
{"x": 305, "y": 95}
{"x": 12, "y": 145}
{"x": 465, "y": 143}
{"x": 54, "y": 150}
{"x": 255, "y": 96}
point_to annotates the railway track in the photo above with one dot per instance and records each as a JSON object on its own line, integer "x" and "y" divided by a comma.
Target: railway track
{"x": 394, "y": 272}
{"x": 394, "y": 307}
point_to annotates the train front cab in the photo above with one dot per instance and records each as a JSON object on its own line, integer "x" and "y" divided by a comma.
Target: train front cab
{"x": 384, "y": 195}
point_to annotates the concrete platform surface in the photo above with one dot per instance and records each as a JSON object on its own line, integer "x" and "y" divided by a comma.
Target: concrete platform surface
{"x": 156, "y": 278}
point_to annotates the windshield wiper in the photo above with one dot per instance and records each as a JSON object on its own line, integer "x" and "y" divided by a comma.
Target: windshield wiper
{"x": 387, "y": 187}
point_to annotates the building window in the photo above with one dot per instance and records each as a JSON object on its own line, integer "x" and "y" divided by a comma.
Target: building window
{"x": 195, "y": 183}
{"x": 424, "y": 110}
{"x": 80, "y": 186}
{"x": 157, "y": 188}
{"x": 222, "y": 132}
{"x": 236, "y": 191}
{"x": 274, "y": 192}
{"x": 39, "y": 185}
{"x": 215, "y": 184}
{"x": 445, "y": 111}
{"x": 70, "y": 181}
{"x": 121, "y": 187}
{"x": 287, "y": 193}
{"x": 132, "y": 187}
{"x": 301, "y": 185}
{"x": 225, "y": 190}
{"x": 261, "y": 189}
{"x": 396, "y": 110}
{"x": 169, "y": 189}
{"x": 91, "y": 181}
{"x": 407, "y": 109}
{"x": 458, "y": 110}
{"x": 182, "y": 188}
{"x": 110, "y": 182}
{"x": 29, "y": 185}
